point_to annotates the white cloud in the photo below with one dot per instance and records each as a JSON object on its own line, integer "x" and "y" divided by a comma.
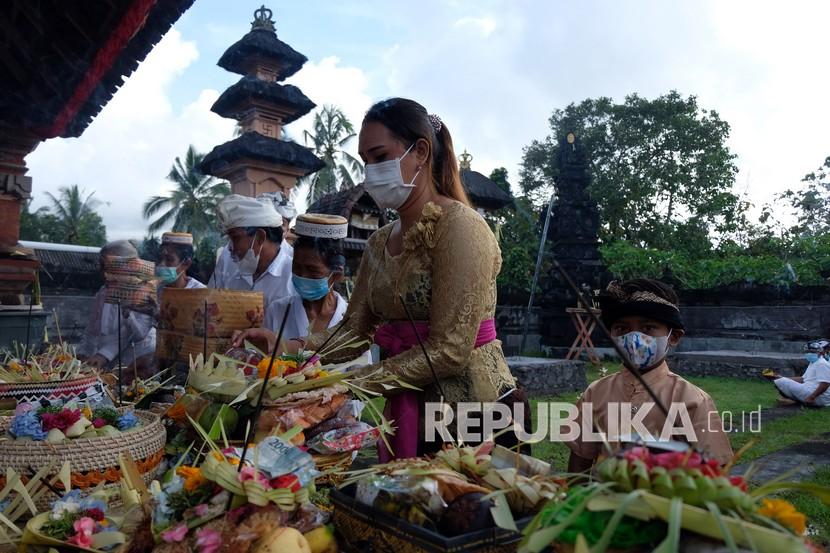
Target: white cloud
{"x": 484, "y": 25}
{"x": 126, "y": 153}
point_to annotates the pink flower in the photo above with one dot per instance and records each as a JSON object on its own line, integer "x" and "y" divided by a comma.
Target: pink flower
{"x": 84, "y": 528}
{"x": 201, "y": 510}
{"x": 250, "y": 473}
{"x": 98, "y": 423}
{"x": 175, "y": 534}
{"x": 23, "y": 408}
{"x": 61, "y": 421}
{"x": 208, "y": 540}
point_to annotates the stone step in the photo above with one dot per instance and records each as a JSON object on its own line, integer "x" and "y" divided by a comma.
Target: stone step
{"x": 542, "y": 377}
{"x": 736, "y": 364}
{"x": 705, "y": 343}
{"x": 798, "y": 461}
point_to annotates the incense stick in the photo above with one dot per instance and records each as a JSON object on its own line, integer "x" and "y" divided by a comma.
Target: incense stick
{"x": 423, "y": 348}
{"x": 597, "y": 321}
{"x": 120, "y": 400}
{"x": 252, "y": 422}
{"x": 57, "y": 326}
{"x": 258, "y": 409}
{"x": 29, "y": 325}
{"x": 331, "y": 336}
{"x": 205, "y": 339}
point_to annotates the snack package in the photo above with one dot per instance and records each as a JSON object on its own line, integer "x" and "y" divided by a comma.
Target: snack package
{"x": 382, "y": 490}
{"x": 347, "y": 415}
{"x": 342, "y": 440}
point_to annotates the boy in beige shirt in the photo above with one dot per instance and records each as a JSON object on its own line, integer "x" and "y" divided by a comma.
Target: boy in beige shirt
{"x": 643, "y": 316}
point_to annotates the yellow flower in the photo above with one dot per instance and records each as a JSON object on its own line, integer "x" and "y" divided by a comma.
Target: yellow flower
{"x": 87, "y": 412}
{"x": 322, "y": 374}
{"x": 785, "y": 513}
{"x": 281, "y": 366}
{"x": 192, "y": 477}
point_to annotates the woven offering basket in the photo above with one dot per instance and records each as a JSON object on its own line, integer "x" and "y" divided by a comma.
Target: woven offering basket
{"x": 93, "y": 461}
{"x": 22, "y": 391}
{"x": 183, "y": 310}
{"x": 177, "y": 346}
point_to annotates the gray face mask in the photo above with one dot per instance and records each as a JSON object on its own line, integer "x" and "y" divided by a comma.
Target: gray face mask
{"x": 384, "y": 182}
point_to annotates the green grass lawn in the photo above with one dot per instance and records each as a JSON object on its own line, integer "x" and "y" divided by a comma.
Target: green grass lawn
{"x": 738, "y": 396}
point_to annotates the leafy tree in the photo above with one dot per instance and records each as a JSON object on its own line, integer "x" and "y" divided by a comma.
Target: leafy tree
{"x": 76, "y": 219}
{"x": 811, "y": 204}
{"x": 150, "y": 248}
{"x": 191, "y": 205}
{"x": 660, "y": 167}
{"x": 39, "y": 226}
{"x": 519, "y": 233}
{"x": 499, "y": 176}
{"x": 332, "y": 132}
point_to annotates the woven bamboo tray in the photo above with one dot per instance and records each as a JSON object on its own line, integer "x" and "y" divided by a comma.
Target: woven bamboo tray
{"x": 93, "y": 461}
{"x": 177, "y": 346}
{"x": 183, "y": 310}
{"x": 51, "y": 388}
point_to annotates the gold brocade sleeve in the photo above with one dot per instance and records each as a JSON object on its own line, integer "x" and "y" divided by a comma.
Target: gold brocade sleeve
{"x": 362, "y": 322}
{"x": 465, "y": 263}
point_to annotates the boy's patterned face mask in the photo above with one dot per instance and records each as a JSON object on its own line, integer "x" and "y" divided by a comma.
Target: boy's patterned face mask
{"x": 643, "y": 350}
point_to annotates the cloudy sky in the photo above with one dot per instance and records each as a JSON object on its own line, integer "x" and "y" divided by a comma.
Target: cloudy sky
{"x": 493, "y": 70}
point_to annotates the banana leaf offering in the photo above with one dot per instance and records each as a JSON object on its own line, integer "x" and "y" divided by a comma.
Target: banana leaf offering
{"x": 640, "y": 500}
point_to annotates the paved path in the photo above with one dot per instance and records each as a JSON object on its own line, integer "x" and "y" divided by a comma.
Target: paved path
{"x": 802, "y": 459}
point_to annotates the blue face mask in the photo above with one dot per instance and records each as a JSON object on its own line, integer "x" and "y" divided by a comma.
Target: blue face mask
{"x": 168, "y": 275}
{"x": 311, "y": 289}
{"x": 811, "y": 357}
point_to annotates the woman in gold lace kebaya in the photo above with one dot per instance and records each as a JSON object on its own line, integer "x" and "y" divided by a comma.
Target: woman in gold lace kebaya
{"x": 441, "y": 258}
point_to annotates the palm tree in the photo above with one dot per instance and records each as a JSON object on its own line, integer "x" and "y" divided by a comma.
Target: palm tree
{"x": 73, "y": 210}
{"x": 191, "y": 205}
{"x": 332, "y": 132}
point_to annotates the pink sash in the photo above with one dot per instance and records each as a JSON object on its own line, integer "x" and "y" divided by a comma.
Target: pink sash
{"x": 405, "y": 407}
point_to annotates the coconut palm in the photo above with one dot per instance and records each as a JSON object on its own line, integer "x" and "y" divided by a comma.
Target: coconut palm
{"x": 75, "y": 213}
{"x": 331, "y": 133}
{"x": 191, "y": 205}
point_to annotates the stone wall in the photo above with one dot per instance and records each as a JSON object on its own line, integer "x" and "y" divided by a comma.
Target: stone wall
{"x": 547, "y": 377}
{"x": 73, "y": 316}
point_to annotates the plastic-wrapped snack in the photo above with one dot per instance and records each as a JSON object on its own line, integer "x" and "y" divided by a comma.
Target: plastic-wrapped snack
{"x": 247, "y": 356}
{"x": 347, "y": 415}
{"x": 342, "y": 440}
{"x": 383, "y": 490}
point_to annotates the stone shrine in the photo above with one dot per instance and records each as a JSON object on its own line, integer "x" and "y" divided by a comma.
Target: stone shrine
{"x": 573, "y": 235}
{"x": 259, "y": 160}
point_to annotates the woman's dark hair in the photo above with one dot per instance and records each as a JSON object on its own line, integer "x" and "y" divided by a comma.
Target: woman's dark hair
{"x": 329, "y": 249}
{"x": 409, "y": 121}
{"x": 273, "y": 234}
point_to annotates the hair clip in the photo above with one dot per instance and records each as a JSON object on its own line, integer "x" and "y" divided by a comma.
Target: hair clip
{"x": 436, "y": 122}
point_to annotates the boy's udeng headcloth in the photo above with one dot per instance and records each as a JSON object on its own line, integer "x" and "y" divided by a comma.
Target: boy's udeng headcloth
{"x": 635, "y": 298}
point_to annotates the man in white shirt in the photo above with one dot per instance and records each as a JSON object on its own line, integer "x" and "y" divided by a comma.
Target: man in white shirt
{"x": 813, "y": 388}
{"x": 256, "y": 258}
{"x": 138, "y": 333}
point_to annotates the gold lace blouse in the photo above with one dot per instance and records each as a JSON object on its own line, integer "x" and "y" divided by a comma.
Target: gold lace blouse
{"x": 447, "y": 276}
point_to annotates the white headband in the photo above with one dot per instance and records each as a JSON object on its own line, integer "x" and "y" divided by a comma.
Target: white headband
{"x": 321, "y": 230}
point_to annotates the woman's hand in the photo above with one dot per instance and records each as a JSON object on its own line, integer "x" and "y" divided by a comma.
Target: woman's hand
{"x": 262, "y": 338}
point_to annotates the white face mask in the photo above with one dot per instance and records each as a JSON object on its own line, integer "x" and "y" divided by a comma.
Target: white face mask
{"x": 249, "y": 263}
{"x": 384, "y": 182}
{"x": 643, "y": 350}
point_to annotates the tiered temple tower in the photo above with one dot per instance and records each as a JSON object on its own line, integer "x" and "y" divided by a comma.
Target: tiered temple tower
{"x": 260, "y": 160}
{"x": 573, "y": 232}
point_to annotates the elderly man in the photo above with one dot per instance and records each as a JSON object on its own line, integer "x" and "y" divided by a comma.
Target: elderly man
{"x": 138, "y": 333}
{"x": 256, "y": 257}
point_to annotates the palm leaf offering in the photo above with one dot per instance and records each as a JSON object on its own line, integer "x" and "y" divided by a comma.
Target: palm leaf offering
{"x": 460, "y": 489}
{"x": 643, "y": 501}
